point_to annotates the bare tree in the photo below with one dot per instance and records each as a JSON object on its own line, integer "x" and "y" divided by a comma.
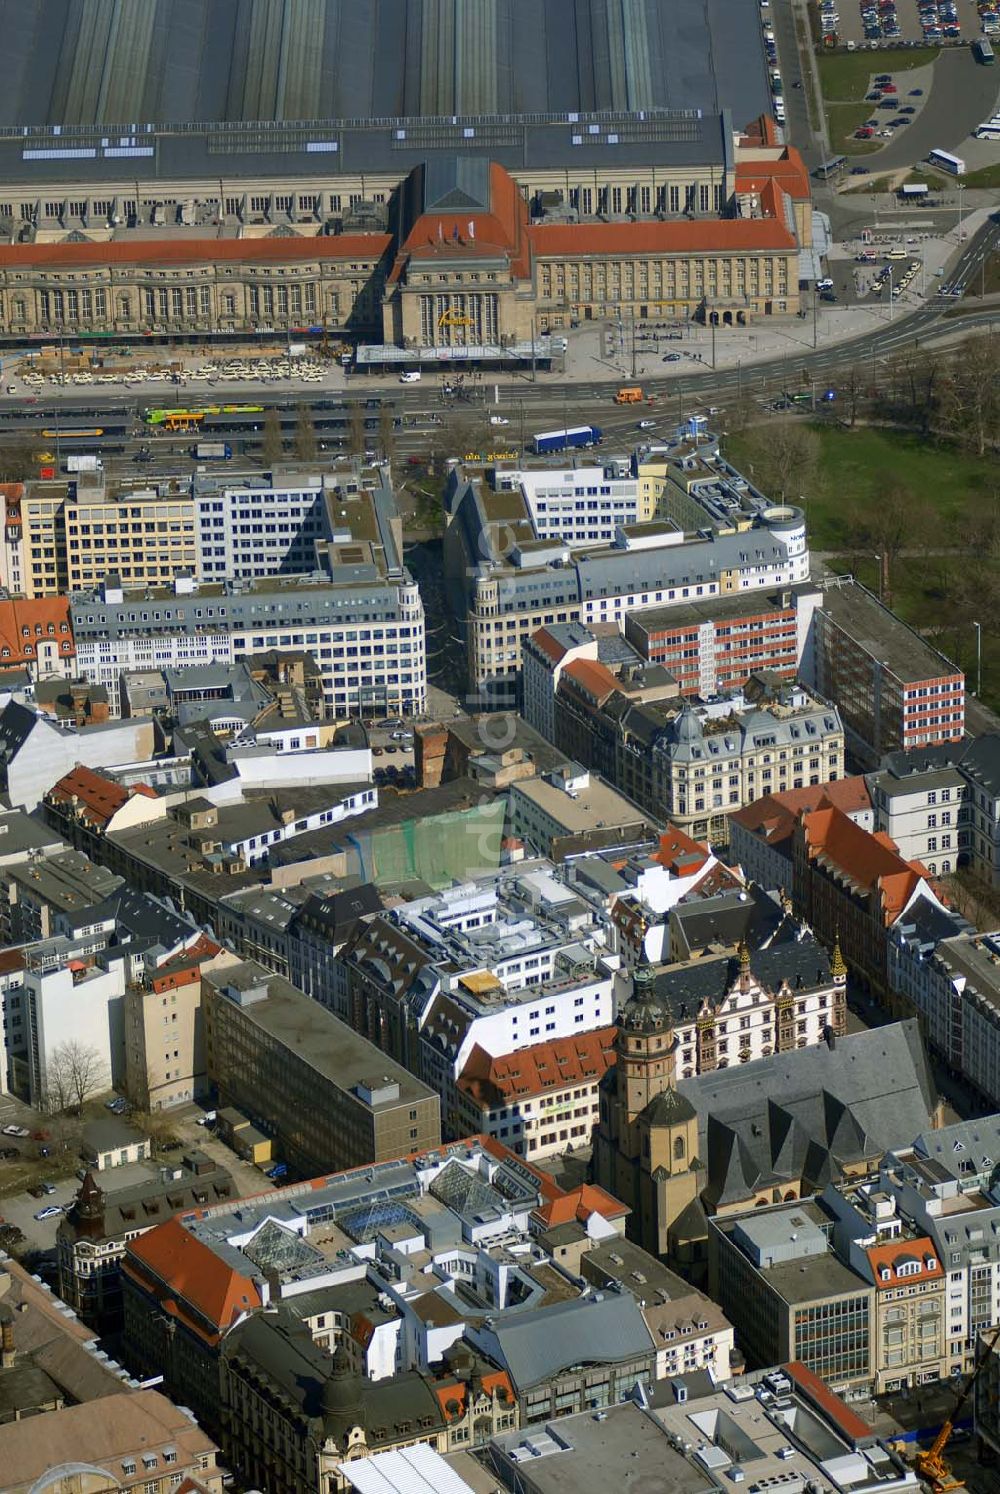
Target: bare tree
{"x": 272, "y": 445}
{"x": 897, "y": 521}
{"x": 970, "y": 406}
{"x": 357, "y": 439}
{"x": 305, "y": 435}
{"x": 17, "y": 460}
{"x": 784, "y": 457}
{"x": 387, "y": 432}
{"x": 74, "y": 1073}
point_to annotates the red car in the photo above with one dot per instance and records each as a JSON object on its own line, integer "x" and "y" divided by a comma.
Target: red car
{"x": 889, "y": 88}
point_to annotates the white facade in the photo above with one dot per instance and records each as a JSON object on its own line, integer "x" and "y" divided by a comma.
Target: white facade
{"x": 48, "y": 752}
{"x": 579, "y": 505}
{"x": 539, "y": 678}
{"x": 367, "y": 639}
{"x": 260, "y": 768}
{"x": 924, "y": 814}
{"x": 253, "y": 530}
{"x": 61, "y": 1006}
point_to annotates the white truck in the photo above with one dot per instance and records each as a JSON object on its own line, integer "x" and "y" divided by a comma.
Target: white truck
{"x": 84, "y": 462}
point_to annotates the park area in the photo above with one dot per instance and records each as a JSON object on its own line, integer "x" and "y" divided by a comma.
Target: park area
{"x": 931, "y": 507}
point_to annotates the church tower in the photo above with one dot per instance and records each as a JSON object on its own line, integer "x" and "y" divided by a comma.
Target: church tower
{"x": 645, "y": 1046}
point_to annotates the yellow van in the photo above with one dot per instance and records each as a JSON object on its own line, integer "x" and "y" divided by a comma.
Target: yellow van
{"x": 629, "y": 396}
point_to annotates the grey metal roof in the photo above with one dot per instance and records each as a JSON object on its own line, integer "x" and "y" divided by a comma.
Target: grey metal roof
{"x": 357, "y": 70}
{"x": 802, "y": 962}
{"x": 811, "y": 1108}
{"x": 543, "y": 1343}
{"x": 306, "y": 601}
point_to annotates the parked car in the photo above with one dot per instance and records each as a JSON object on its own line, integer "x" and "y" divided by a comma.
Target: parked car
{"x": 49, "y": 1212}
{"x": 36, "y": 1192}
{"x": 16, "y": 1131}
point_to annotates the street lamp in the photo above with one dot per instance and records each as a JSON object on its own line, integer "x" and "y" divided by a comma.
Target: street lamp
{"x": 878, "y": 557}
{"x": 979, "y": 659}
{"x": 961, "y": 189}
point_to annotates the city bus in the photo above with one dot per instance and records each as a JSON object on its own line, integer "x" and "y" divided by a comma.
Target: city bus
{"x": 984, "y": 52}
{"x": 947, "y": 162}
{"x": 828, "y": 170}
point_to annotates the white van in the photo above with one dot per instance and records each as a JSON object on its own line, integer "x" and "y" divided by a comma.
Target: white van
{"x": 412, "y": 376}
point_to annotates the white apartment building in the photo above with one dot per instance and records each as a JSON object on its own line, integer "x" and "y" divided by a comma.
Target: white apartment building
{"x": 580, "y": 506}
{"x": 925, "y": 805}
{"x": 365, "y": 630}
{"x": 541, "y": 1100}
{"x": 59, "y": 1005}
{"x": 257, "y": 527}
{"x": 543, "y": 658}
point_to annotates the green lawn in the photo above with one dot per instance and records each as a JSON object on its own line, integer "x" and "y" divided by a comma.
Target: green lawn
{"x": 846, "y": 77}
{"x": 988, "y": 176}
{"x": 854, "y": 464}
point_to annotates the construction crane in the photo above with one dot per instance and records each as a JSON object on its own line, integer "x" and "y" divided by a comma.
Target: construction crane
{"x": 930, "y": 1465}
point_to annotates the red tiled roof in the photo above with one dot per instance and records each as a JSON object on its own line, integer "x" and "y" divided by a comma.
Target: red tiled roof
{"x": 456, "y": 1390}
{"x": 774, "y": 816}
{"x": 596, "y": 678}
{"x": 908, "y": 1254}
{"x": 359, "y": 246}
{"x": 502, "y": 232}
{"x": 538, "y": 1068}
{"x": 579, "y": 1205}
{"x": 185, "y": 967}
{"x": 847, "y": 1422}
{"x": 543, "y": 640}
{"x": 694, "y": 236}
{"x": 788, "y": 170}
{"x": 680, "y": 853}
{"x": 38, "y": 616}
{"x": 100, "y": 797}
{"x": 872, "y": 862}
{"x": 192, "y": 1276}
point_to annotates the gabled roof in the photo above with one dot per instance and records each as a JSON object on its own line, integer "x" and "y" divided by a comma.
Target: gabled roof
{"x": 674, "y": 236}
{"x": 680, "y": 853}
{"x": 592, "y": 676}
{"x": 358, "y": 246}
{"x": 189, "y": 1279}
{"x": 904, "y": 1260}
{"x": 578, "y": 1205}
{"x": 46, "y": 619}
{"x": 773, "y": 816}
{"x": 100, "y": 798}
{"x": 510, "y": 1078}
{"x": 871, "y": 862}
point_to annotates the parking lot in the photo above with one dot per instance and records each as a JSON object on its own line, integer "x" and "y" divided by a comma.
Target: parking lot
{"x": 895, "y": 23}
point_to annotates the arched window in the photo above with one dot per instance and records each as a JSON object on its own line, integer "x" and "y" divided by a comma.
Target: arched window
{"x": 678, "y": 1148}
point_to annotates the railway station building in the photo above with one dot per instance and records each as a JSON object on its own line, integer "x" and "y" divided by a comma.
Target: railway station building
{"x": 459, "y": 251}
